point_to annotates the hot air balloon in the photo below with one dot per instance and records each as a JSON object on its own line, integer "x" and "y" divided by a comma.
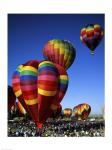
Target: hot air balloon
{"x": 11, "y": 98}
{"x": 52, "y": 86}
{"x": 23, "y": 82}
{"x": 91, "y": 35}
{"x": 56, "y": 113}
{"x": 81, "y": 111}
{"x": 67, "y": 112}
{"x": 60, "y": 52}
{"x": 40, "y": 86}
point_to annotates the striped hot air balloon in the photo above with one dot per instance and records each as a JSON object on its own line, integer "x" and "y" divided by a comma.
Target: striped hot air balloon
{"x": 52, "y": 85}
{"x": 41, "y": 86}
{"x": 91, "y": 35}
{"x": 81, "y": 111}
{"x": 67, "y": 112}
{"x": 22, "y": 84}
{"x": 56, "y": 112}
{"x": 60, "y": 52}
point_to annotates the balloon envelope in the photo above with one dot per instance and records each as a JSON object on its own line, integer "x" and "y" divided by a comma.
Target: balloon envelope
{"x": 57, "y": 112}
{"x": 41, "y": 86}
{"x": 81, "y": 111}
{"x": 67, "y": 112}
{"x": 91, "y": 36}
{"x": 60, "y": 52}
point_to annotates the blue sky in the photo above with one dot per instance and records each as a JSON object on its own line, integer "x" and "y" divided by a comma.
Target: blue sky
{"x": 27, "y": 35}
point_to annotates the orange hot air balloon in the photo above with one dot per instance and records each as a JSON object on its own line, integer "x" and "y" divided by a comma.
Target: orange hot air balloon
{"x": 81, "y": 111}
{"x": 67, "y": 112}
{"x": 11, "y": 97}
{"x": 60, "y": 52}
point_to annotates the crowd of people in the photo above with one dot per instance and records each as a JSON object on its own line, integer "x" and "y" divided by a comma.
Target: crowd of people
{"x": 56, "y": 128}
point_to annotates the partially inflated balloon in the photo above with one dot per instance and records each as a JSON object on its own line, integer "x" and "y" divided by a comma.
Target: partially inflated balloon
{"x": 91, "y": 36}
{"x": 11, "y": 97}
{"x": 60, "y": 52}
{"x": 67, "y": 112}
{"x": 81, "y": 111}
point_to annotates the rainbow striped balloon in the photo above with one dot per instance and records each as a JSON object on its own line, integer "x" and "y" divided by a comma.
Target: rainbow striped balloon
{"x": 62, "y": 86}
{"x": 47, "y": 88}
{"x": 24, "y": 83}
{"x": 42, "y": 86}
{"x": 28, "y": 82}
{"x": 91, "y": 36}
{"x": 16, "y": 86}
{"x": 60, "y": 52}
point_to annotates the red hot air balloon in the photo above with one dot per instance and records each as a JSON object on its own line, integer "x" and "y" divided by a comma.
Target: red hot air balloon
{"x": 24, "y": 86}
{"x": 47, "y": 88}
{"x": 91, "y": 35}
{"x": 81, "y": 111}
{"x": 42, "y": 87}
{"x": 60, "y": 52}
